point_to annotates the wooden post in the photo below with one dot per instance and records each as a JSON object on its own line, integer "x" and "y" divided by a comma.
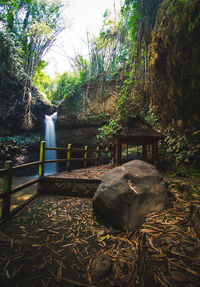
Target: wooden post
{"x": 107, "y": 155}
{"x": 69, "y": 157}
{"x": 42, "y": 158}
{"x": 7, "y": 183}
{"x": 85, "y": 157}
{"x": 144, "y": 152}
{"x": 114, "y": 153}
{"x": 156, "y": 147}
{"x": 155, "y": 152}
{"x": 97, "y": 156}
{"x": 119, "y": 152}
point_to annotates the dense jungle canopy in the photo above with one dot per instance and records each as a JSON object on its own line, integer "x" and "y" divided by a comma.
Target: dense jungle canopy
{"x": 145, "y": 60}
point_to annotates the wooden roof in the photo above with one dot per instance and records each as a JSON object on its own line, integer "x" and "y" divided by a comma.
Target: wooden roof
{"x": 137, "y": 127}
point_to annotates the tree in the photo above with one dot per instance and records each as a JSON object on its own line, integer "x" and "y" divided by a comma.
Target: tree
{"x": 109, "y": 52}
{"x": 33, "y": 26}
{"x": 41, "y": 80}
{"x": 28, "y": 29}
{"x": 66, "y": 86}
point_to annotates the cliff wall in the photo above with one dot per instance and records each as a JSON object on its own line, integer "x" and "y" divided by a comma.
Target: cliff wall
{"x": 18, "y": 111}
{"x": 174, "y": 64}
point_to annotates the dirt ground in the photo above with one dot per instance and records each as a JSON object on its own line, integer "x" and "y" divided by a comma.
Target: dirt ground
{"x": 53, "y": 241}
{"x": 56, "y": 241}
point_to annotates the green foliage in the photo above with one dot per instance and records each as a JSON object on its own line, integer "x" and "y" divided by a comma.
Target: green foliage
{"x": 21, "y": 140}
{"x": 108, "y": 52}
{"x": 82, "y": 66}
{"x": 193, "y": 24}
{"x": 10, "y": 56}
{"x": 180, "y": 170}
{"x": 66, "y": 86}
{"x": 183, "y": 1}
{"x": 126, "y": 30}
{"x": 131, "y": 17}
{"x": 184, "y": 171}
{"x": 28, "y": 28}
{"x": 98, "y": 117}
{"x": 150, "y": 116}
{"x": 138, "y": 18}
{"x": 195, "y": 173}
{"x": 107, "y": 131}
{"x": 175, "y": 146}
{"x": 41, "y": 80}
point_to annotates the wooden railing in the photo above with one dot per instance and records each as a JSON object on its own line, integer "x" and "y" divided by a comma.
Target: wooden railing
{"x": 8, "y": 171}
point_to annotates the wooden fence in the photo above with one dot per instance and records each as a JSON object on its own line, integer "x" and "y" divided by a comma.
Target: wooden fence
{"x": 8, "y": 171}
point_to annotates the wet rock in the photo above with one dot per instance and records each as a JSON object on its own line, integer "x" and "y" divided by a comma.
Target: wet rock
{"x": 128, "y": 193}
{"x": 101, "y": 266}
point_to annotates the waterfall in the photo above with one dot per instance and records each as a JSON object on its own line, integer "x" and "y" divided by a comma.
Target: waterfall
{"x": 50, "y": 141}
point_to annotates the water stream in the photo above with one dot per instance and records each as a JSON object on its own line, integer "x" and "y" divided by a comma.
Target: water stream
{"x": 50, "y": 141}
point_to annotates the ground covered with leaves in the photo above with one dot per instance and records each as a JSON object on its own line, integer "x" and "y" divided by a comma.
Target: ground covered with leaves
{"x": 92, "y": 172}
{"x": 56, "y": 241}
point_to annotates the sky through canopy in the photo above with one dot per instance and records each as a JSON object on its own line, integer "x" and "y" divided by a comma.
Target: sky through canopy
{"x": 81, "y": 16}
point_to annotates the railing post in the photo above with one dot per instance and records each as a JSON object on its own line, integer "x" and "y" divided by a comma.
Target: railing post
{"x": 7, "y": 183}
{"x": 69, "y": 157}
{"x": 85, "y": 157}
{"x": 97, "y": 156}
{"x": 106, "y": 155}
{"x": 42, "y": 158}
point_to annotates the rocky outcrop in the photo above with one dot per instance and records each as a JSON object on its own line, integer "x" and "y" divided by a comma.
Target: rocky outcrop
{"x": 101, "y": 266}
{"x": 174, "y": 68}
{"x": 71, "y": 129}
{"x": 19, "y": 149}
{"x": 80, "y": 115}
{"x": 128, "y": 193}
{"x": 78, "y": 132}
{"x": 15, "y": 106}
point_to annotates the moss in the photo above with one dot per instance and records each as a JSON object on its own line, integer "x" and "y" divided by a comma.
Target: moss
{"x": 174, "y": 58}
{"x": 19, "y": 140}
{"x": 98, "y": 117}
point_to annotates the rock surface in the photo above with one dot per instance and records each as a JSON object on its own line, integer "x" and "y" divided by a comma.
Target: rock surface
{"x": 172, "y": 84}
{"x": 101, "y": 265}
{"x": 128, "y": 193}
{"x": 71, "y": 129}
{"x": 13, "y": 108}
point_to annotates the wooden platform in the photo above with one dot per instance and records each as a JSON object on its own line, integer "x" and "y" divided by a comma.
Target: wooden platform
{"x": 80, "y": 182}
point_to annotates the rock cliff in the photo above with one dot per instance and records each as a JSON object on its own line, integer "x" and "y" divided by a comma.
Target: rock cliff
{"x": 78, "y": 124}
{"x": 16, "y": 108}
{"x": 174, "y": 69}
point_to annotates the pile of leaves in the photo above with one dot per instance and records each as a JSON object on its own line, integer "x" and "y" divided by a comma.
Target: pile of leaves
{"x": 54, "y": 241}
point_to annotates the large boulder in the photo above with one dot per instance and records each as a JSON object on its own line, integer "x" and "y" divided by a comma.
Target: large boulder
{"x": 128, "y": 193}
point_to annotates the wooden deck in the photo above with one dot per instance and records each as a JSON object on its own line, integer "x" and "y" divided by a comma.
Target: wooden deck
{"x": 93, "y": 172}
{"x": 81, "y": 182}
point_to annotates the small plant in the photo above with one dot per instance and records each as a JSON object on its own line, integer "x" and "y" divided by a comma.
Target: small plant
{"x": 180, "y": 170}
{"x": 107, "y": 131}
{"x": 20, "y": 140}
{"x": 195, "y": 173}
